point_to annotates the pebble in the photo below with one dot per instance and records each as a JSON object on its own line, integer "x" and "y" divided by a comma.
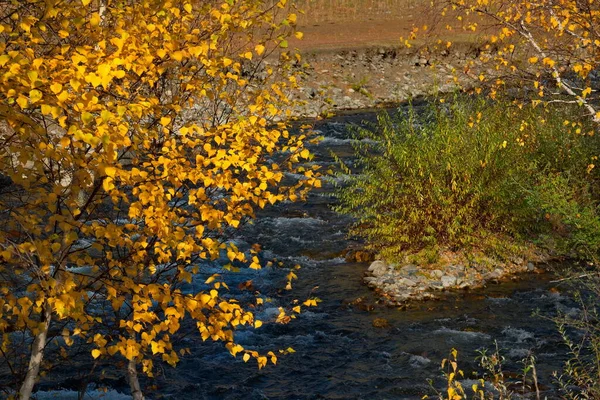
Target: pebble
{"x": 407, "y": 282}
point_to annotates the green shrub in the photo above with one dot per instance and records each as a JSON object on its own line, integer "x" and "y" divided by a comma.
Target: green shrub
{"x": 473, "y": 174}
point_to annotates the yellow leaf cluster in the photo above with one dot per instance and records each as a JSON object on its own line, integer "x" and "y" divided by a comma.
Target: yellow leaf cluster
{"x": 137, "y": 141}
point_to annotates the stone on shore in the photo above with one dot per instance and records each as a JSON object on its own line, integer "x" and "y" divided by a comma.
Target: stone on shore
{"x": 378, "y": 268}
{"x": 448, "y": 281}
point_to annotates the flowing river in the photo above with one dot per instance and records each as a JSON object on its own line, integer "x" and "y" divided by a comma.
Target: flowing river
{"x": 339, "y": 354}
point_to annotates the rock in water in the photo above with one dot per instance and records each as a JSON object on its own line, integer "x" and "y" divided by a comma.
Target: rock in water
{"x": 380, "y": 323}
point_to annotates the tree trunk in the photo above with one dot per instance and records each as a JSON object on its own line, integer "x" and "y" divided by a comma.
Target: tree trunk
{"x": 37, "y": 355}
{"x": 134, "y": 382}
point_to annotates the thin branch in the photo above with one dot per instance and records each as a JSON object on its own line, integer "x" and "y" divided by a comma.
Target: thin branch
{"x": 576, "y": 277}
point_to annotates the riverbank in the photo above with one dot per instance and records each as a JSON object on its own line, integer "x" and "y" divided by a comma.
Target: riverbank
{"x": 355, "y": 57}
{"x": 381, "y": 76}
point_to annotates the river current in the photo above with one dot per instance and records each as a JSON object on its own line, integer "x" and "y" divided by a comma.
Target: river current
{"x": 339, "y": 353}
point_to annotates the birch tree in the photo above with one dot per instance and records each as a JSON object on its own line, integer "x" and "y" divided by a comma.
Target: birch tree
{"x": 136, "y": 134}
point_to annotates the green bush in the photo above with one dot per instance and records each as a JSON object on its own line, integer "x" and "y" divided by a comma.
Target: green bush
{"x": 473, "y": 174}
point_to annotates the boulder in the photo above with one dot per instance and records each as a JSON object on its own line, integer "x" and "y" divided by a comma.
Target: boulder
{"x": 378, "y": 268}
{"x": 437, "y": 273}
{"x": 381, "y": 323}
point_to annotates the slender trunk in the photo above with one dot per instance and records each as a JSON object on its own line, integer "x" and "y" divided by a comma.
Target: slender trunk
{"x": 37, "y": 355}
{"x": 102, "y": 10}
{"x": 134, "y": 382}
{"x": 535, "y": 382}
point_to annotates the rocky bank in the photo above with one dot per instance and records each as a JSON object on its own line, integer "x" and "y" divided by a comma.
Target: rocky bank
{"x": 382, "y": 76}
{"x": 398, "y": 284}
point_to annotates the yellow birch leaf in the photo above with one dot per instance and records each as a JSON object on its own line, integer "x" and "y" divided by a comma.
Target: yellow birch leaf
{"x": 35, "y": 96}
{"x": 33, "y": 76}
{"x": 108, "y": 184}
{"x": 177, "y": 55}
{"x": 56, "y": 88}
{"x": 262, "y": 362}
{"x": 22, "y": 102}
{"x": 46, "y": 109}
{"x": 75, "y": 84}
{"x": 63, "y": 96}
{"x": 110, "y": 171}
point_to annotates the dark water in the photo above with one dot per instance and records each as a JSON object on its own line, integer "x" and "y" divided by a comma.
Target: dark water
{"x": 339, "y": 354}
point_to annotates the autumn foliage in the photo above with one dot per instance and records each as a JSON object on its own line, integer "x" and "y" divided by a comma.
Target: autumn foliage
{"x": 549, "y": 48}
{"x": 136, "y": 136}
